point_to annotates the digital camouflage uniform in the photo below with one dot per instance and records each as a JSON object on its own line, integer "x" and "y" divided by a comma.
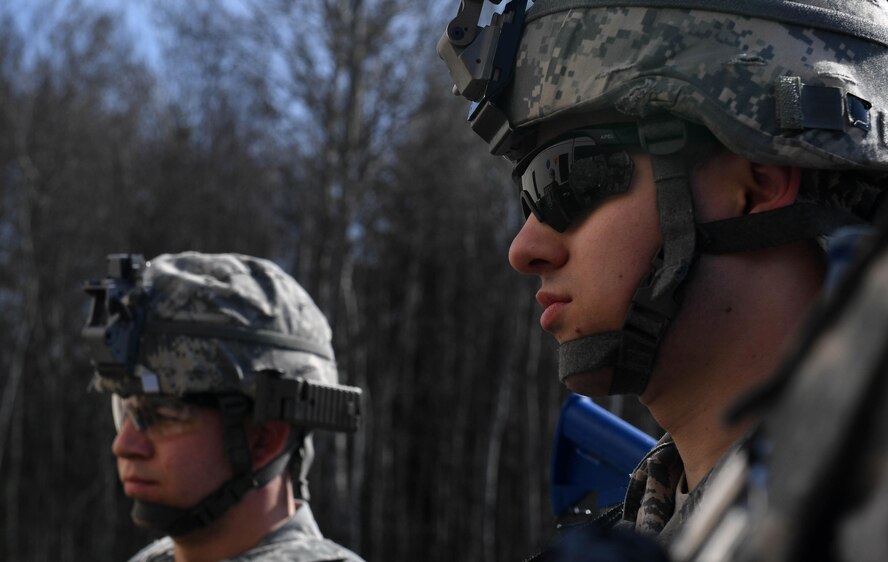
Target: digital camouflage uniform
{"x": 585, "y": 58}
{"x": 793, "y": 83}
{"x": 651, "y": 507}
{"x": 242, "y": 335}
{"x": 298, "y": 540}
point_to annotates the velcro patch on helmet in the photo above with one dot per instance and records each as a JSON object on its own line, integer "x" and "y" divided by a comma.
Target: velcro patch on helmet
{"x": 773, "y": 90}
{"x": 800, "y": 106}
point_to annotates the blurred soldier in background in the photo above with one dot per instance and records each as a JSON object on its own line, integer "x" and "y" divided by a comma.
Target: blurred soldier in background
{"x": 681, "y": 166}
{"x": 220, "y": 366}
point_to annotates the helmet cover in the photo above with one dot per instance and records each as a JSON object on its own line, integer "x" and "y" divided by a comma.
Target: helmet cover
{"x": 779, "y": 82}
{"x": 188, "y": 295}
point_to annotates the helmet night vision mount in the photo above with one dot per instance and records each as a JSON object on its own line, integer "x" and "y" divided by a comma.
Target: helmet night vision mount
{"x": 480, "y": 60}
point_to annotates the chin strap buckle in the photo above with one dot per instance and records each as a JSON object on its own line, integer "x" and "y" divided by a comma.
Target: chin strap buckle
{"x": 650, "y": 314}
{"x": 235, "y": 408}
{"x": 642, "y": 334}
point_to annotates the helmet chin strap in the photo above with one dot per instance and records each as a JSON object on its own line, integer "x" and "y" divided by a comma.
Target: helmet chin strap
{"x": 632, "y": 351}
{"x": 180, "y": 521}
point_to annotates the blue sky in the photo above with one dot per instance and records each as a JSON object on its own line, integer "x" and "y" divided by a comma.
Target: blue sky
{"x": 29, "y": 14}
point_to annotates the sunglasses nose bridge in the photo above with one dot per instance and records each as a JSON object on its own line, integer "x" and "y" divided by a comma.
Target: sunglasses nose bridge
{"x": 528, "y": 206}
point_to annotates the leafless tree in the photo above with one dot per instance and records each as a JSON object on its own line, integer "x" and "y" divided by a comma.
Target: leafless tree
{"x": 320, "y": 134}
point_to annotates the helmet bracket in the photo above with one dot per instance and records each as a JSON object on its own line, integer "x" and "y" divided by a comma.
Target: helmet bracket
{"x": 306, "y": 403}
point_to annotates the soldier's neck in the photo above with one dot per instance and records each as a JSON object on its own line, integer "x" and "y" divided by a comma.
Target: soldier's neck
{"x": 740, "y": 314}
{"x": 242, "y": 527}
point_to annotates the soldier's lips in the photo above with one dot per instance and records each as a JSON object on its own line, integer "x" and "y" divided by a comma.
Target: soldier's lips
{"x": 134, "y": 486}
{"x": 553, "y": 304}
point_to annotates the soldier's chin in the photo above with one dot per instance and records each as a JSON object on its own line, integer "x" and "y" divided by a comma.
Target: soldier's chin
{"x": 591, "y": 383}
{"x": 138, "y": 522}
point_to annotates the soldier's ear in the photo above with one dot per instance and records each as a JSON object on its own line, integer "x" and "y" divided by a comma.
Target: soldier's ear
{"x": 728, "y": 185}
{"x": 267, "y": 440}
{"x": 770, "y": 187}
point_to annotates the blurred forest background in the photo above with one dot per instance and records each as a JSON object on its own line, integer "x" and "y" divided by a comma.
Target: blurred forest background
{"x": 321, "y": 134}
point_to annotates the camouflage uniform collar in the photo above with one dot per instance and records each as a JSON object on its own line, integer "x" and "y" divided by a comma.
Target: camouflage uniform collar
{"x": 300, "y": 523}
{"x": 650, "y": 497}
{"x": 298, "y": 538}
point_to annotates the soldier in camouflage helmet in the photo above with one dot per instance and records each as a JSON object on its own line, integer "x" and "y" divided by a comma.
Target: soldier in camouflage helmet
{"x": 681, "y": 164}
{"x": 219, "y": 368}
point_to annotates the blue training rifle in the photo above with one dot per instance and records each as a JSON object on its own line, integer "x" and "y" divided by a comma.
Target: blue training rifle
{"x": 594, "y": 452}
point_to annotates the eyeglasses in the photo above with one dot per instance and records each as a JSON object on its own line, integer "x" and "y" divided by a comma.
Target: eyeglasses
{"x": 156, "y": 416}
{"x": 564, "y": 179}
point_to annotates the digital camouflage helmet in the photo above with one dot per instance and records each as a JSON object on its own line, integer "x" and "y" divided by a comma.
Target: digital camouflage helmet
{"x": 799, "y": 83}
{"x": 229, "y": 331}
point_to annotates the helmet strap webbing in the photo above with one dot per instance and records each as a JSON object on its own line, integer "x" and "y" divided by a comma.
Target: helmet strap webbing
{"x": 303, "y": 445}
{"x": 656, "y": 300}
{"x": 632, "y": 351}
{"x": 588, "y": 353}
{"x": 179, "y": 521}
{"x": 785, "y": 225}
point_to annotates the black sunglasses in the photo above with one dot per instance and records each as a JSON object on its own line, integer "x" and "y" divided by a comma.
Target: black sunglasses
{"x": 563, "y": 179}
